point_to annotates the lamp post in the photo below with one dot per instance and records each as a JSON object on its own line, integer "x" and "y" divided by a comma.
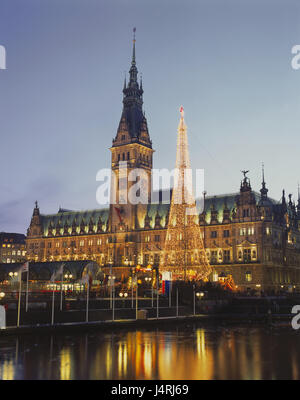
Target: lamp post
{"x": 199, "y": 295}
{"x": 136, "y": 294}
{"x": 113, "y": 299}
{"x": 13, "y": 274}
{"x": 131, "y": 270}
{"x": 110, "y": 289}
{"x": 148, "y": 279}
{"x": 152, "y": 300}
{"x": 111, "y": 279}
{"x": 67, "y": 277}
{"x": 123, "y": 296}
{"x": 194, "y": 302}
{"x": 155, "y": 267}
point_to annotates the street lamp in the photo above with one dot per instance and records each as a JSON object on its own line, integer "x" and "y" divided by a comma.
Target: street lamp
{"x": 111, "y": 279}
{"x": 199, "y": 295}
{"x": 148, "y": 279}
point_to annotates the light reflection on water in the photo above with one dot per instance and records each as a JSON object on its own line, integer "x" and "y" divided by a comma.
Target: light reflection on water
{"x": 180, "y": 353}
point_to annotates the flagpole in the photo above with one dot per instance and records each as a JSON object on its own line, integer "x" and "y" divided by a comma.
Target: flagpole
{"x": 27, "y": 289}
{"x": 113, "y": 303}
{"x": 52, "y": 318}
{"x": 152, "y": 294}
{"x": 19, "y": 303}
{"x": 176, "y": 302}
{"x": 61, "y": 287}
{"x": 132, "y": 290}
{"x": 157, "y": 295}
{"x": 136, "y": 300}
{"x": 87, "y": 300}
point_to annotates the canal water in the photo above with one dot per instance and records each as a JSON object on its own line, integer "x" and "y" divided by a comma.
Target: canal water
{"x": 190, "y": 352}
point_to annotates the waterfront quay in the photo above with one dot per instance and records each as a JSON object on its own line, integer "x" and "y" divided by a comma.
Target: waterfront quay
{"x": 127, "y": 314}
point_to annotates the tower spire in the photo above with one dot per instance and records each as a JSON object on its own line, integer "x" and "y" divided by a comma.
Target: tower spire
{"x": 133, "y": 48}
{"x": 133, "y": 70}
{"x": 263, "y": 190}
{"x": 132, "y": 117}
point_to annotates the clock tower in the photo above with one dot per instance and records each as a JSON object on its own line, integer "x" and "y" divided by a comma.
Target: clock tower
{"x": 131, "y": 153}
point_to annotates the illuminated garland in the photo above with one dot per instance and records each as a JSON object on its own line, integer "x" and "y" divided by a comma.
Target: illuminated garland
{"x": 184, "y": 253}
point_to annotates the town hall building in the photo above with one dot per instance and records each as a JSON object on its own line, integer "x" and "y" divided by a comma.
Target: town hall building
{"x": 246, "y": 234}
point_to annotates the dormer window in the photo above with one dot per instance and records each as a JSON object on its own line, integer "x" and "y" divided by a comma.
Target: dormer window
{"x": 123, "y": 137}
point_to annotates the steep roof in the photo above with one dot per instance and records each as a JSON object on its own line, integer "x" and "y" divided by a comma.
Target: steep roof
{"x": 67, "y": 217}
{"x": 218, "y": 202}
{"x": 6, "y": 237}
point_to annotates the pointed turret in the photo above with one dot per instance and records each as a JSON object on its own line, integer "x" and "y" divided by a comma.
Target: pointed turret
{"x": 36, "y": 210}
{"x": 35, "y": 228}
{"x": 298, "y": 203}
{"x": 283, "y": 202}
{"x": 226, "y": 212}
{"x": 132, "y": 119}
{"x": 263, "y": 190}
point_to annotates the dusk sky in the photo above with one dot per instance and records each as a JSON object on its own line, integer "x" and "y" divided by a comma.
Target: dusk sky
{"x": 227, "y": 62}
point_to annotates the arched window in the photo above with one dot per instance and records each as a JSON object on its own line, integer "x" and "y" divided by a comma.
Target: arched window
{"x": 248, "y": 276}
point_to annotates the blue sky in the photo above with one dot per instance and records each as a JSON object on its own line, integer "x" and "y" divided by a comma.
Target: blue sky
{"x": 227, "y": 62}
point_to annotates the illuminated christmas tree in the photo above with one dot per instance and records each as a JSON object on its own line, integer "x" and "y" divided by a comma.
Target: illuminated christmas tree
{"x": 184, "y": 253}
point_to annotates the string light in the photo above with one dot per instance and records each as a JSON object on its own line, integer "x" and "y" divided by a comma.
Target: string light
{"x": 184, "y": 253}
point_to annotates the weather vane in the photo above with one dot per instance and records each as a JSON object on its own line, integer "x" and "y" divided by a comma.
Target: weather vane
{"x": 245, "y": 172}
